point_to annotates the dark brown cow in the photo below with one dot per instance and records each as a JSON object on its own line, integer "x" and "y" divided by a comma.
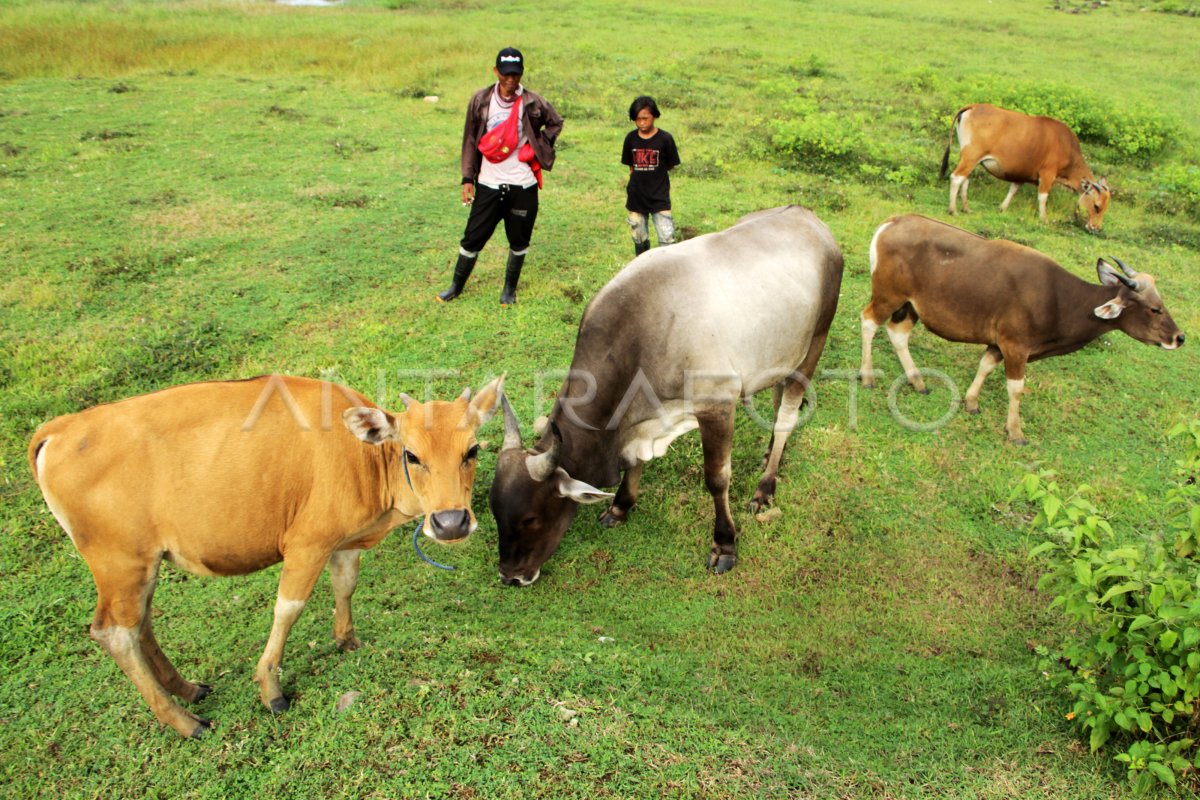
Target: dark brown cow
{"x": 1011, "y": 298}
{"x": 229, "y": 478}
{"x": 1019, "y": 148}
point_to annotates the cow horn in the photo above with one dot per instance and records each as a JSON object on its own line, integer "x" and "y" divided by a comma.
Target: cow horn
{"x": 1124, "y": 268}
{"x": 542, "y": 465}
{"x": 1128, "y": 281}
{"x": 1138, "y": 285}
{"x": 512, "y": 428}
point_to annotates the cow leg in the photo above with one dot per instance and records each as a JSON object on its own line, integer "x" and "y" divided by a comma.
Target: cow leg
{"x": 343, "y": 575}
{"x": 164, "y": 670}
{"x": 899, "y": 331}
{"x": 959, "y": 179}
{"x": 1045, "y": 181}
{"x": 1014, "y": 370}
{"x": 871, "y": 320}
{"x": 991, "y": 357}
{"x": 300, "y": 573}
{"x": 786, "y": 415}
{"x": 788, "y": 397}
{"x": 716, "y": 438}
{"x": 122, "y": 603}
{"x": 626, "y": 497}
{"x": 776, "y": 399}
{"x": 1012, "y": 192}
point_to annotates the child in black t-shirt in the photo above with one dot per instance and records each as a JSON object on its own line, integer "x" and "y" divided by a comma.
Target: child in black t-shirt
{"x": 650, "y": 153}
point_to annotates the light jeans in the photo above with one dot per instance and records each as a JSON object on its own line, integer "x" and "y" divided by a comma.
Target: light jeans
{"x": 664, "y": 226}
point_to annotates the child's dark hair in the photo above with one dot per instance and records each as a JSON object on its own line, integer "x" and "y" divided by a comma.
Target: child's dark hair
{"x": 643, "y": 102}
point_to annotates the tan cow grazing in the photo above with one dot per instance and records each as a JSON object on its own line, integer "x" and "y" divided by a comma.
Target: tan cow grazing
{"x": 1019, "y": 148}
{"x": 228, "y": 478}
{"x": 1014, "y": 300}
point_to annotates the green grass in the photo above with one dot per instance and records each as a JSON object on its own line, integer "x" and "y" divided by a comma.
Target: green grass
{"x": 198, "y": 190}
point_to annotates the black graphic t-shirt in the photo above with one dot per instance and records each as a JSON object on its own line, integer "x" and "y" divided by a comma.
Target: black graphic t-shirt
{"x": 649, "y": 188}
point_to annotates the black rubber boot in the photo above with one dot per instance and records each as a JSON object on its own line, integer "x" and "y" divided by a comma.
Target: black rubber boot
{"x": 640, "y": 247}
{"x": 512, "y": 274}
{"x": 462, "y": 271}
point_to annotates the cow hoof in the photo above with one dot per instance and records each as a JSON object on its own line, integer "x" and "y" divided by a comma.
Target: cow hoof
{"x": 203, "y": 690}
{"x": 203, "y": 726}
{"x": 974, "y": 412}
{"x": 761, "y": 502}
{"x": 348, "y": 644}
{"x": 866, "y": 384}
{"x": 722, "y": 563}
{"x": 1021, "y": 442}
{"x": 280, "y": 704}
{"x": 922, "y": 391}
{"x": 612, "y": 518}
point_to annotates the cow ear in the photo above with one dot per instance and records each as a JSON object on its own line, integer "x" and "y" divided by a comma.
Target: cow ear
{"x": 1108, "y": 273}
{"x": 372, "y": 425}
{"x": 486, "y": 402}
{"x": 1110, "y": 310}
{"x": 580, "y": 492}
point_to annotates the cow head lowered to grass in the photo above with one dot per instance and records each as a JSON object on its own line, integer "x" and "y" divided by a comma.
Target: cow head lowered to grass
{"x": 669, "y": 345}
{"x": 228, "y": 478}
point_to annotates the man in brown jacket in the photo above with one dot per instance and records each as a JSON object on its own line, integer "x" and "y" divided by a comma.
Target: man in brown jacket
{"x": 503, "y": 186}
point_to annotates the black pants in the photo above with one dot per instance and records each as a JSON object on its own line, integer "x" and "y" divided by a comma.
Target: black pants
{"x": 515, "y": 205}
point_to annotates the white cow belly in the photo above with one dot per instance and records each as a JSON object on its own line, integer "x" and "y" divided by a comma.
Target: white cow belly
{"x": 651, "y": 438}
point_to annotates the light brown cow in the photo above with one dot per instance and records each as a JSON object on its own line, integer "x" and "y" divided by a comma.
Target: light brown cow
{"x": 1019, "y": 148}
{"x": 1011, "y": 298}
{"x": 228, "y": 478}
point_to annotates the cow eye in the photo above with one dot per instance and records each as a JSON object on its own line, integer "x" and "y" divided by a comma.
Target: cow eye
{"x": 411, "y": 458}
{"x": 472, "y": 454}
{"x": 1157, "y": 310}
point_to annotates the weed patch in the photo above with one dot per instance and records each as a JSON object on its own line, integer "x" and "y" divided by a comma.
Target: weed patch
{"x": 159, "y": 354}
{"x": 336, "y": 197}
{"x": 290, "y": 114}
{"x": 125, "y": 266}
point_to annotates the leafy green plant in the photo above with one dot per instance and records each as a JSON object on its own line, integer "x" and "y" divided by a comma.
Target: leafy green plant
{"x": 1131, "y": 129}
{"x": 821, "y": 136}
{"x": 1131, "y": 663}
{"x": 1177, "y": 189}
{"x": 1183, "y": 499}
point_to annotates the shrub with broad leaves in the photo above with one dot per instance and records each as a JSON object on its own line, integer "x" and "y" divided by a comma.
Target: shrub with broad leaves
{"x": 1132, "y": 663}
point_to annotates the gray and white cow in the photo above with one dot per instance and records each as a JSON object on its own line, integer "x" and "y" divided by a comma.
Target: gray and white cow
{"x": 671, "y": 344}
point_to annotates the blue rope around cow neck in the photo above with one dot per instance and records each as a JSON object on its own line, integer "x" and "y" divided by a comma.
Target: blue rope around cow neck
{"x": 417, "y": 547}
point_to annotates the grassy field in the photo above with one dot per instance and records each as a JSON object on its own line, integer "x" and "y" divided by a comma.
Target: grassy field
{"x": 198, "y": 190}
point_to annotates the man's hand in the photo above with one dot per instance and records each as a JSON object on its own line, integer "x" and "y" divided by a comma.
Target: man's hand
{"x": 468, "y": 195}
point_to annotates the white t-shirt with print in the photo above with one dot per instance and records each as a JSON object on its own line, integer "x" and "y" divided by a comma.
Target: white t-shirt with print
{"x": 511, "y": 170}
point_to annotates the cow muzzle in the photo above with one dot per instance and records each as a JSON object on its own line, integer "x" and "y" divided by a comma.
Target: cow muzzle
{"x": 450, "y": 526}
{"x": 519, "y": 580}
{"x": 1175, "y": 343}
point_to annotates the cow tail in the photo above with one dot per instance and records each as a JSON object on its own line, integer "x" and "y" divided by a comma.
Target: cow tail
{"x": 41, "y": 438}
{"x": 904, "y": 312}
{"x": 35, "y": 447}
{"x": 949, "y": 144}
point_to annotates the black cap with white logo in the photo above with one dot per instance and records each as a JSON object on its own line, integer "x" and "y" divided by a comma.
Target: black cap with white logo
{"x": 509, "y": 61}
